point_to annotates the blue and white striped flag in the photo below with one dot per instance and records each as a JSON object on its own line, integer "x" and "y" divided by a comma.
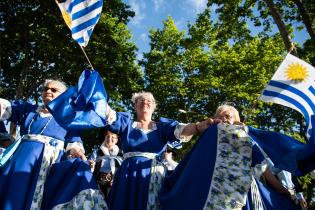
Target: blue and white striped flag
{"x": 81, "y": 16}
{"x": 293, "y": 85}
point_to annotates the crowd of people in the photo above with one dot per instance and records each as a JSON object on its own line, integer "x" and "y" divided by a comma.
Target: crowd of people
{"x": 231, "y": 166}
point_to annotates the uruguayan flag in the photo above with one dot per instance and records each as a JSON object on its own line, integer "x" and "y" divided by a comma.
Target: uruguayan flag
{"x": 293, "y": 85}
{"x": 81, "y": 16}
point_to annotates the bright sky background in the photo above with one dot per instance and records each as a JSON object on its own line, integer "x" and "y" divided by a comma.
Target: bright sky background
{"x": 151, "y": 13}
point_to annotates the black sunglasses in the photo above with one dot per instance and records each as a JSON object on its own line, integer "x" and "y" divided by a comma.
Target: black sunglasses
{"x": 54, "y": 90}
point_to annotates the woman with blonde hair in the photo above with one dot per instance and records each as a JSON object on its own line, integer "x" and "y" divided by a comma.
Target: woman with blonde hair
{"x": 138, "y": 180}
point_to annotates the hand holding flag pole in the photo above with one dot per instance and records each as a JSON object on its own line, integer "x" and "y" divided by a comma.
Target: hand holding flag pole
{"x": 81, "y": 16}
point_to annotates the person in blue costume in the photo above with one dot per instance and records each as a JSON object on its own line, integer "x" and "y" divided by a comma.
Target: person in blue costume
{"x": 31, "y": 169}
{"x": 271, "y": 198}
{"x": 276, "y": 190}
{"x": 138, "y": 180}
{"x": 105, "y": 160}
{"x": 222, "y": 166}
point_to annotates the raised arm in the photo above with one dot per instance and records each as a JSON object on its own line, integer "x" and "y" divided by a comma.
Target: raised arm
{"x": 198, "y": 127}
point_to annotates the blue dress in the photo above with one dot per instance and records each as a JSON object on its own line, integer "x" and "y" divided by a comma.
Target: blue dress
{"x": 131, "y": 183}
{"x": 23, "y": 178}
{"x": 215, "y": 174}
{"x": 218, "y": 171}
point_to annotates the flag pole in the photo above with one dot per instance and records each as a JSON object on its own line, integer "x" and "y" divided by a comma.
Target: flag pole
{"x": 87, "y": 58}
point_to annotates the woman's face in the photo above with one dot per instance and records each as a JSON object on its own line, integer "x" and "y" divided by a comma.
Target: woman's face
{"x": 110, "y": 140}
{"x": 144, "y": 106}
{"x": 227, "y": 116}
{"x": 51, "y": 91}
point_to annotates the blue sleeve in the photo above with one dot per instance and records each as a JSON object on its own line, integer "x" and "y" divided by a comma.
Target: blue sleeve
{"x": 284, "y": 151}
{"x": 20, "y": 110}
{"x": 122, "y": 122}
{"x": 167, "y": 128}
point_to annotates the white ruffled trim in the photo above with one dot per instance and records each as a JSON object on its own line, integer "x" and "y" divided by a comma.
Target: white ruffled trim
{"x": 74, "y": 145}
{"x": 86, "y": 199}
{"x": 42, "y": 114}
{"x": 153, "y": 124}
{"x": 300, "y": 196}
{"x": 5, "y": 109}
{"x": 259, "y": 169}
{"x": 169, "y": 162}
{"x": 106, "y": 151}
{"x": 255, "y": 194}
{"x": 178, "y": 133}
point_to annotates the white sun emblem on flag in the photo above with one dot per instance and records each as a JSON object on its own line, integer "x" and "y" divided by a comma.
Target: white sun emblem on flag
{"x": 296, "y": 72}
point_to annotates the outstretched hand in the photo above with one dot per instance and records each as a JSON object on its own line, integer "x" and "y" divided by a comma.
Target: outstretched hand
{"x": 203, "y": 125}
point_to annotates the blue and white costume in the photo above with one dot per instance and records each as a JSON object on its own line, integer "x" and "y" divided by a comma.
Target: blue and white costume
{"x": 270, "y": 199}
{"x": 219, "y": 170}
{"x": 138, "y": 180}
{"x": 216, "y": 174}
{"x": 24, "y": 178}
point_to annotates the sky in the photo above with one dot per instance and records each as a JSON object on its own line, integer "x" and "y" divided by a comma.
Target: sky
{"x": 150, "y": 14}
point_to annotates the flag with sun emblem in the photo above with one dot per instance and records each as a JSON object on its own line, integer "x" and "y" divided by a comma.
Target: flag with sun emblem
{"x": 81, "y": 17}
{"x": 293, "y": 85}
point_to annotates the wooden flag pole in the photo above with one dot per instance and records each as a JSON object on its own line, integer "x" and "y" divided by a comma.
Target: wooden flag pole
{"x": 87, "y": 58}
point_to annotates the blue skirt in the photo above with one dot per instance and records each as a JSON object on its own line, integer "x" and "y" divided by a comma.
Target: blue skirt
{"x": 35, "y": 178}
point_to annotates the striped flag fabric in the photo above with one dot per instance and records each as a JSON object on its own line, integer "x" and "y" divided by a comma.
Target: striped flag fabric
{"x": 81, "y": 16}
{"x": 293, "y": 85}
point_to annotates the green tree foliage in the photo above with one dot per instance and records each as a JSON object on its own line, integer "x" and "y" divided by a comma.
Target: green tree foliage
{"x": 289, "y": 15}
{"x": 36, "y": 44}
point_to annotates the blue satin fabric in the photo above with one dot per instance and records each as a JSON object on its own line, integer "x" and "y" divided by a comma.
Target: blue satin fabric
{"x": 271, "y": 199}
{"x": 83, "y": 106}
{"x": 66, "y": 179}
{"x": 286, "y": 152}
{"x": 19, "y": 177}
{"x": 193, "y": 174}
{"x": 188, "y": 185}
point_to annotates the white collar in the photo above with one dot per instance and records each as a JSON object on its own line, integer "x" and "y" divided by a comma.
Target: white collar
{"x": 135, "y": 124}
{"x": 41, "y": 114}
{"x": 106, "y": 151}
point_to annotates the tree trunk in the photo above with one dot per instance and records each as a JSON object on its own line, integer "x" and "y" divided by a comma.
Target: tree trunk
{"x": 281, "y": 26}
{"x": 306, "y": 18}
{"x": 19, "y": 93}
